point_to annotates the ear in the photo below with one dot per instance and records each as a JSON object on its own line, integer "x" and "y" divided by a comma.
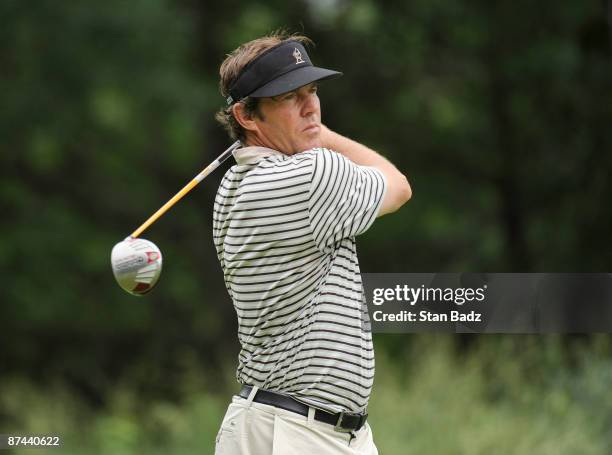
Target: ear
{"x": 245, "y": 120}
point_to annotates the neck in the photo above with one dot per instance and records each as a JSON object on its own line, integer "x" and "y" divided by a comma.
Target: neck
{"x": 252, "y": 140}
{"x": 257, "y": 141}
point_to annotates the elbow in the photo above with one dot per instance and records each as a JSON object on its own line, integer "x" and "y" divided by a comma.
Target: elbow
{"x": 405, "y": 191}
{"x": 402, "y": 192}
{"x": 398, "y": 193}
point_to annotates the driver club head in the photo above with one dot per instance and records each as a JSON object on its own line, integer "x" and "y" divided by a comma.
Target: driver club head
{"x": 137, "y": 264}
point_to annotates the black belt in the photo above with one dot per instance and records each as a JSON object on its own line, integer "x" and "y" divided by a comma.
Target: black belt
{"x": 342, "y": 421}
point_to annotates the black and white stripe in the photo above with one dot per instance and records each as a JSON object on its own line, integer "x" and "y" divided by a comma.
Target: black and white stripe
{"x": 284, "y": 229}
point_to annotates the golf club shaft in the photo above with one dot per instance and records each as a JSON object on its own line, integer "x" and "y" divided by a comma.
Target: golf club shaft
{"x": 186, "y": 189}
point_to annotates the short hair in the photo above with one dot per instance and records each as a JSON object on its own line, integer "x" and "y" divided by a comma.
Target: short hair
{"x": 233, "y": 65}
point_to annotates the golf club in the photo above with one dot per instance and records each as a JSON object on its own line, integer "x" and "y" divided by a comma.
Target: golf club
{"x": 136, "y": 262}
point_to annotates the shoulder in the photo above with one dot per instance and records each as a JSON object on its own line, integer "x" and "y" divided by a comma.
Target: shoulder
{"x": 321, "y": 158}
{"x": 310, "y": 155}
{"x": 316, "y": 153}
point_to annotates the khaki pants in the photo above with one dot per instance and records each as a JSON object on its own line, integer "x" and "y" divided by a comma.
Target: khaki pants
{"x": 250, "y": 428}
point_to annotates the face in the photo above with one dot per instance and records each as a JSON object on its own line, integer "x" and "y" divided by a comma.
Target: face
{"x": 289, "y": 123}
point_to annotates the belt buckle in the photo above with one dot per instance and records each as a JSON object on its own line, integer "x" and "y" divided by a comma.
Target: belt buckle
{"x": 337, "y": 427}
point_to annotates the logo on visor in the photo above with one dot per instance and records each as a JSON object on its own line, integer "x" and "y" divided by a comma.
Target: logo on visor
{"x": 298, "y": 56}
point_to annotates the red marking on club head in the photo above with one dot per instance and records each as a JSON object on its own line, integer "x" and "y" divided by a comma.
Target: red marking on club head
{"x": 141, "y": 288}
{"x": 152, "y": 256}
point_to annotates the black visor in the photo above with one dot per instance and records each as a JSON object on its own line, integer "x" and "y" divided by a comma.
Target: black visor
{"x": 278, "y": 70}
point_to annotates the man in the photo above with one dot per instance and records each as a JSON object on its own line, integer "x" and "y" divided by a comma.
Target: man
{"x": 285, "y": 220}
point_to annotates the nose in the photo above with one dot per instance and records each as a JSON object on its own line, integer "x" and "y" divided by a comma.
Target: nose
{"x": 310, "y": 105}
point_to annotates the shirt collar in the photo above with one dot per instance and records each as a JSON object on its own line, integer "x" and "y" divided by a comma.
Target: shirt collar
{"x": 252, "y": 154}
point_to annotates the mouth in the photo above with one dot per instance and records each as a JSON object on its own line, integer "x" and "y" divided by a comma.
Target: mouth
{"x": 314, "y": 127}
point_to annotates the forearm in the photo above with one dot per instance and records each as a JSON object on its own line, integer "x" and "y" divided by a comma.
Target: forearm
{"x": 398, "y": 188}
{"x": 354, "y": 151}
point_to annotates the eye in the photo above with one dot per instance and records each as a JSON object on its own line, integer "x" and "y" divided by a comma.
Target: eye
{"x": 288, "y": 96}
{"x": 314, "y": 88}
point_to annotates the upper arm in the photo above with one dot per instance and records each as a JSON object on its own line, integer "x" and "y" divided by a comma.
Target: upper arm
{"x": 344, "y": 198}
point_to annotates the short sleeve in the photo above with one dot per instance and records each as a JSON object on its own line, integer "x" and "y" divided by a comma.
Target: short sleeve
{"x": 344, "y": 198}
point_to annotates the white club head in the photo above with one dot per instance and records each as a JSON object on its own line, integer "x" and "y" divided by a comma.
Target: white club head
{"x": 137, "y": 264}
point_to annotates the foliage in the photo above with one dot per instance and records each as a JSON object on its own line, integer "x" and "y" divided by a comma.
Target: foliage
{"x": 428, "y": 399}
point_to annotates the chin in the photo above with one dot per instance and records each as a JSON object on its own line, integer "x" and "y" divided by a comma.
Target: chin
{"x": 311, "y": 144}
{"x": 305, "y": 148}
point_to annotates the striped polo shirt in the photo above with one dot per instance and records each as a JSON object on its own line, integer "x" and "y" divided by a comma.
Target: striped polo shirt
{"x": 284, "y": 229}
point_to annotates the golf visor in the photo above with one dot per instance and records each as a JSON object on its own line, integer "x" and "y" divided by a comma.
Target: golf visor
{"x": 278, "y": 70}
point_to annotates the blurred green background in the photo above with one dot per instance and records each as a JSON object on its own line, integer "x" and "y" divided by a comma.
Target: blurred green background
{"x": 499, "y": 113}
